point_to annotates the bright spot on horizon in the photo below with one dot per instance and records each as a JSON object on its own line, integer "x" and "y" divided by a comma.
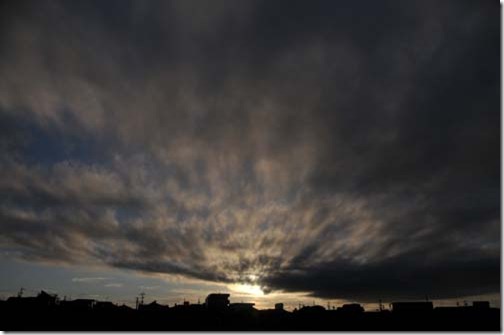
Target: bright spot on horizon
{"x": 248, "y": 289}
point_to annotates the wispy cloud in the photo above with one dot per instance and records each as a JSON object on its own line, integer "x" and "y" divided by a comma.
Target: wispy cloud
{"x": 89, "y": 279}
{"x": 148, "y": 288}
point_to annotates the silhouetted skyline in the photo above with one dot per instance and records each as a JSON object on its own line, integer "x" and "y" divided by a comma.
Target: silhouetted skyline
{"x": 296, "y": 151}
{"x": 48, "y": 312}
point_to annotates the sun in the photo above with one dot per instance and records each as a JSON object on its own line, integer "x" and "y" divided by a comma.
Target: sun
{"x": 248, "y": 289}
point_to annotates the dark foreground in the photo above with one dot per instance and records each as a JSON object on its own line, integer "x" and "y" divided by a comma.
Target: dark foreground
{"x": 197, "y": 317}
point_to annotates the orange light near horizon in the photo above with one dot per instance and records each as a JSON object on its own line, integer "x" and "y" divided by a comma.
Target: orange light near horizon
{"x": 248, "y": 289}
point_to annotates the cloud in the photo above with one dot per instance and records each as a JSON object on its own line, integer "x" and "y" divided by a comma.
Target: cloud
{"x": 397, "y": 278}
{"x": 335, "y": 149}
{"x": 148, "y": 288}
{"x": 89, "y": 279}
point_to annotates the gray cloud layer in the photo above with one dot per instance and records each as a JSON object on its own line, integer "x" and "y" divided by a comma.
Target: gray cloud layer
{"x": 345, "y": 150}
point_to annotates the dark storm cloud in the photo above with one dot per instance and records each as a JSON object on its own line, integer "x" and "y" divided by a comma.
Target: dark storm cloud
{"x": 346, "y": 150}
{"x": 398, "y": 279}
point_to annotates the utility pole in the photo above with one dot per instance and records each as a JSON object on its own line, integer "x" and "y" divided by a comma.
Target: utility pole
{"x": 142, "y": 295}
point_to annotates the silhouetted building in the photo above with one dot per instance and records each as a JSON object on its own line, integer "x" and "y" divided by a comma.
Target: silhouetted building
{"x": 43, "y": 299}
{"x": 22, "y": 302}
{"x": 47, "y": 299}
{"x": 351, "y": 308}
{"x": 279, "y": 306}
{"x": 104, "y": 306}
{"x": 481, "y": 304}
{"x": 153, "y": 307}
{"x": 242, "y": 307}
{"x": 125, "y": 308}
{"x": 412, "y": 306}
{"x": 78, "y": 304}
{"x": 217, "y": 301}
{"x": 312, "y": 309}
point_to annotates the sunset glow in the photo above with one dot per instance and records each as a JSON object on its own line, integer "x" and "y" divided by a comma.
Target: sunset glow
{"x": 252, "y": 290}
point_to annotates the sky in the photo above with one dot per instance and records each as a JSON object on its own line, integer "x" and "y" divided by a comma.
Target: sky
{"x": 296, "y": 152}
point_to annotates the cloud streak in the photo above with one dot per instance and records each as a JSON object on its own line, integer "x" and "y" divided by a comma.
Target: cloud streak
{"x": 89, "y": 279}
